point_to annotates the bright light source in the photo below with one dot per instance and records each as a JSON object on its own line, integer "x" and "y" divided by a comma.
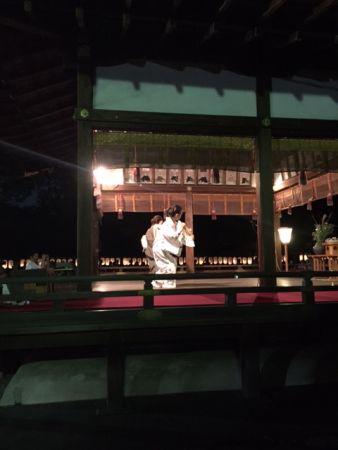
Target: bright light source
{"x": 285, "y": 234}
{"x": 108, "y": 177}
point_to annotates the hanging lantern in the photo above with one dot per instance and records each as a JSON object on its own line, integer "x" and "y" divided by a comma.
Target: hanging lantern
{"x": 309, "y": 205}
{"x": 329, "y": 199}
{"x": 254, "y": 215}
{"x": 213, "y": 214}
{"x": 120, "y": 214}
{"x": 302, "y": 178}
{"x": 289, "y": 210}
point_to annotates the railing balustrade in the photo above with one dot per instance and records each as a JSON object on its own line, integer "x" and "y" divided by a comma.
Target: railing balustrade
{"x": 60, "y": 289}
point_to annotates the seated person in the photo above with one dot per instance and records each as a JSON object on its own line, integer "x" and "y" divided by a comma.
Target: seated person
{"x": 45, "y": 264}
{"x": 41, "y": 264}
{"x": 33, "y": 262}
{"x": 4, "y": 286}
{"x": 5, "y": 291}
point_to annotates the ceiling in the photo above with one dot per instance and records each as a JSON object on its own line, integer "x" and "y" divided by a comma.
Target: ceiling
{"x": 40, "y": 39}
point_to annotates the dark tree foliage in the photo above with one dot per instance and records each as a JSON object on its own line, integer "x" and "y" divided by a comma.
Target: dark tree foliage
{"x": 39, "y": 214}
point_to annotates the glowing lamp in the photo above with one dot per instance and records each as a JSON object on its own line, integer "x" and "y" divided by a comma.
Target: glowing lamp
{"x": 285, "y": 235}
{"x": 108, "y": 177}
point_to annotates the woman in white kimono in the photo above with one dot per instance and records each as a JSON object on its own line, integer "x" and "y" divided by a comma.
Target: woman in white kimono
{"x": 168, "y": 245}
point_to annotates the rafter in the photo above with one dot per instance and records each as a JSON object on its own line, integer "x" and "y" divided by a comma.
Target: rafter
{"x": 274, "y": 6}
{"x": 29, "y": 29}
{"x": 126, "y": 21}
{"x": 45, "y": 90}
{"x": 79, "y": 14}
{"x": 212, "y": 30}
{"x": 63, "y": 111}
{"x": 169, "y": 28}
{"x": 252, "y": 35}
{"x": 67, "y": 98}
{"x": 294, "y": 38}
{"x": 224, "y": 6}
{"x": 320, "y": 9}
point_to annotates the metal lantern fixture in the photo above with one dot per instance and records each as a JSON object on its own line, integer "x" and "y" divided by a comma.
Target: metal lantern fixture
{"x": 285, "y": 235}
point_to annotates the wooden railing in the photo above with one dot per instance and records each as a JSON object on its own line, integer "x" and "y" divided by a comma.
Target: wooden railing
{"x": 57, "y": 322}
{"x": 82, "y": 286}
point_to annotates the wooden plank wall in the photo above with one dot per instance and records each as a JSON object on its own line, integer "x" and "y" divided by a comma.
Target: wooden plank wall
{"x": 203, "y": 203}
{"x": 323, "y": 186}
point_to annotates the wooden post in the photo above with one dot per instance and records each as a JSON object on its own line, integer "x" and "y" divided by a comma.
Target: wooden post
{"x": 85, "y": 207}
{"x": 278, "y": 246}
{"x": 95, "y": 252}
{"x": 265, "y": 229}
{"x": 115, "y": 372}
{"x": 286, "y": 257}
{"x": 189, "y": 251}
{"x": 249, "y": 352}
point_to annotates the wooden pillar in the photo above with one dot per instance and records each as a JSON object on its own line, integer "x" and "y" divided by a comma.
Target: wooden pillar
{"x": 278, "y": 245}
{"x": 85, "y": 202}
{"x": 265, "y": 222}
{"x": 95, "y": 252}
{"x": 250, "y": 361}
{"x": 115, "y": 372}
{"x": 189, "y": 220}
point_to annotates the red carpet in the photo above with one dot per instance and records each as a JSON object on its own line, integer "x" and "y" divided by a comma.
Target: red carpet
{"x": 269, "y": 297}
{"x": 175, "y": 300}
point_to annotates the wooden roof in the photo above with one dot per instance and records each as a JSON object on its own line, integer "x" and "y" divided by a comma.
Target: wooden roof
{"x": 39, "y": 54}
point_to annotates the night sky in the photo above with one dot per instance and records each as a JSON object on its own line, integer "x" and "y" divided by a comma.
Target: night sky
{"x": 38, "y": 214}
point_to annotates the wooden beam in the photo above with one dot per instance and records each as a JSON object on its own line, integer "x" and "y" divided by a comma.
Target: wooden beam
{"x": 126, "y": 22}
{"x": 169, "y": 28}
{"x": 210, "y": 33}
{"x": 63, "y": 111}
{"x": 298, "y": 195}
{"x": 175, "y": 188}
{"x": 274, "y": 6}
{"x": 45, "y": 90}
{"x": 225, "y": 5}
{"x": 56, "y": 70}
{"x": 29, "y": 29}
{"x": 52, "y": 100}
{"x": 252, "y": 35}
{"x": 320, "y": 9}
{"x": 180, "y": 123}
{"x": 294, "y": 38}
{"x": 304, "y": 128}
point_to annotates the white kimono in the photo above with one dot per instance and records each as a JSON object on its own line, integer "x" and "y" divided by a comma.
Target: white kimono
{"x": 167, "y": 246}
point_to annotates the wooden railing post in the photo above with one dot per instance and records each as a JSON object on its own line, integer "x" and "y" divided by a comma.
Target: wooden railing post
{"x": 115, "y": 373}
{"x": 249, "y": 348}
{"x": 148, "y": 297}
{"x": 307, "y": 293}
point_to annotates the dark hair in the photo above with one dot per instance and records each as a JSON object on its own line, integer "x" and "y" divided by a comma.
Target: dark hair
{"x": 173, "y": 210}
{"x": 156, "y": 219}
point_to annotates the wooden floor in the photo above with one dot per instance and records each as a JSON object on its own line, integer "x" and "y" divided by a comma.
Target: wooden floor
{"x": 104, "y": 286}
